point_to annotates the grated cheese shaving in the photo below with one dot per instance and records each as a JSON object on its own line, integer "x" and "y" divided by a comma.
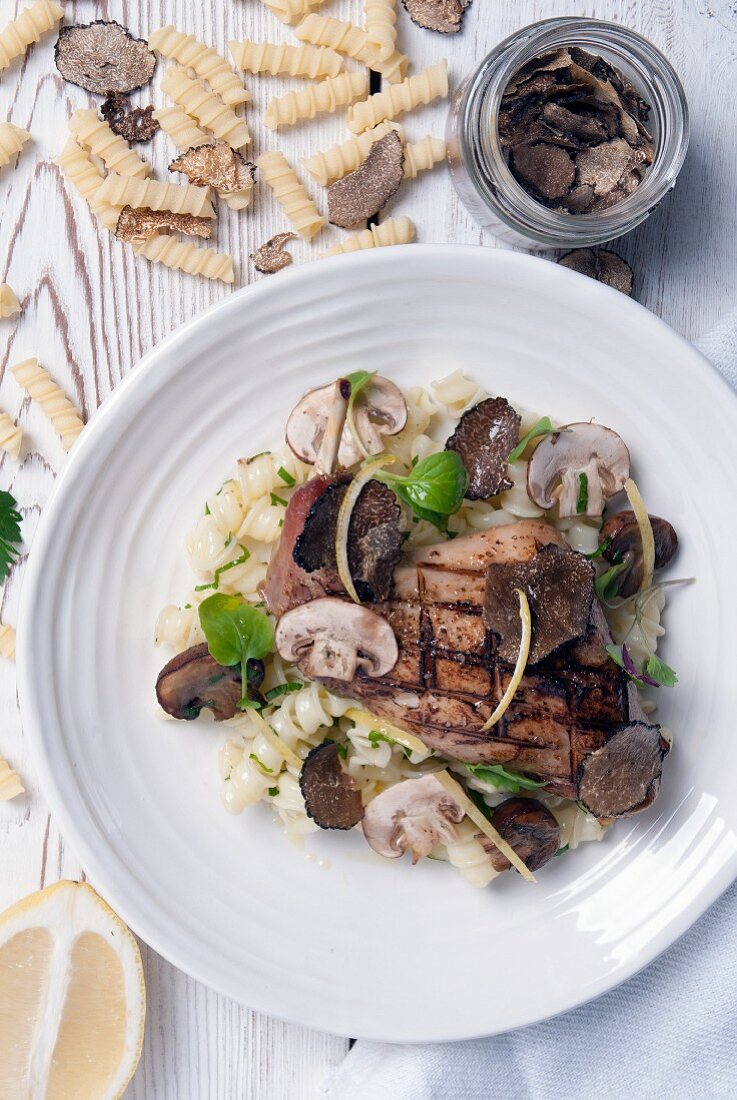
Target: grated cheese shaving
{"x": 519, "y": 668}
{"x": 275, "y": 741}
{"x": 406, "y": 740}
{"x": 347, "y": 505}
{"x": 646, "y": 532}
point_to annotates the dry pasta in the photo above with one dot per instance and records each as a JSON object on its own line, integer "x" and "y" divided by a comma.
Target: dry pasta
{"x": 178, "y": 198}
{"x": 206, "y": 108}
{"x": 424, "y": 87}
{"x": 11, "y": 436}
{"x": 9, "y": 304}
{"x": 294, "y": 200}
{"x": 115, "y": 153}
{"x": 187, "y": 257}
{"x": 339, "y": 160}
{"x": 282, "y": 60}
{"x": 380, "y": 18}
{"x": 52, "y": 399}
{"x": 393, "y": 231}
{"x": 12, "y": 140}
{"x": 78, "y": 167}
{"x": 7, "y": 642}
{"x": 15, "y": 38}
{"x": 289, "y": 10}
{"x": 204, "y": 60}
{"x": 313, "y": 99}
{"x": 346, "y": 38}
{"x": 423, "y": 154}
{"x": 10, "y": 784}
{"x": 181, "y": 129}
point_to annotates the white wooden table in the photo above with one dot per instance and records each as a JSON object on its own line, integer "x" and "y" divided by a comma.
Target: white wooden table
{"x": 91, "y": 309}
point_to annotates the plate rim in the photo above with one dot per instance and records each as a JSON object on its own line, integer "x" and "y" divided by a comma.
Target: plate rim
{"x": 137, "y": 378}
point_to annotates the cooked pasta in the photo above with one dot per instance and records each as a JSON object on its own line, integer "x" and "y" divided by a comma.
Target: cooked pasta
{"x": 54, "y": 402}
{"x": 421, "y": 155}
{"x": 457, "y": 393}
{"x": 115, "y": 153}
{"x": 290, "y": 10}
{"x": 78, "y": 167}
{"x": 422, "y": 88}
{"x": 178, "y": 627}
{"x": 12, "y": 140}
{"x": 515, "y": 500}
{"x": 11, "y": 436}
{"x": 38, "y": 19}
{"x": 380, "y": 18}
{"x": 9, "y": 304}
{"x": 352, "y": 41}
{"x": 187, "y": 257}
{"x": 206, "y": 108}
{"x": 339, "y": 160}
{"x": 313, "y": 99}
{"x": 175, "y": 197}
{"x": 205, "y": 61}
{"x": 291, "y": 195}
{"x": 10, "y": 783}
{"x": 469, "y": 856}
{"x": 392, "y": 231}
{"x": 278, "y": 59}
{"x": 636, "y": 623}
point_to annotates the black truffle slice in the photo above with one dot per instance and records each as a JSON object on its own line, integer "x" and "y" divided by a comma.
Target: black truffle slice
{"x": 103, "y": 57}
{"x": 601, "y": 264}
{"x": 331, "y": 799}
{"x": 559, "y": 584}
{"x": 623, "y": 776}
{"x": 216, "y": 165}
{"x": 135, "y": 124}
{"x": 140, "y": 224}
{"x": 484, "y": 438}
{"x": 193, "y": 681}
{"x": 444, "y": 16}
{"x": 529, "y": 827}
{"x": 363, "y": 193}
{"x": 547, "y": 168}
{"x": 272, "y": 256}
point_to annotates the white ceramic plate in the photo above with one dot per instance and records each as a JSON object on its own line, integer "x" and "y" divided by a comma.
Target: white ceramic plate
{"x": 370, "y": 947}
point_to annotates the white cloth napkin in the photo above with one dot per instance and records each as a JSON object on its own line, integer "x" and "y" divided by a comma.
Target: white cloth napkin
{"x": 669, "y": 1033}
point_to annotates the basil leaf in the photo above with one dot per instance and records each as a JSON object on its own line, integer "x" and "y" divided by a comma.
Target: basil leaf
{"x": 441, "y": 522}
{"x": 660, "y": 671}
{"x": 498, "y": 776}
{"x": 10, "y": 536}
{"x": 434, "y": 488}
{"x": 583, "y": 494}
{"x": 236, "y": 633}
{"x": 544, "y": 426}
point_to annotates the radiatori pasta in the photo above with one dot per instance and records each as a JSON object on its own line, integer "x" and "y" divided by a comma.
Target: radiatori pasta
{"x": 415, "y": 91}
{"x": 77, "y": 166}
{"x": 10, "y": 782}
{"x": 52, "y": 399}
{"x": 177, "y": 198}
{"x": 279, "y": 59}
{"x": 380, "y": 18}
{"x": 204, "y": 60}
{"x": 115, "y": 153}
{"x": 313, "y": 99}
{"x": 393, "y": 231}
{"x": 12, "y": 140}
{"x": 290, "y": 10}
{"x": 9, "y": 304}
{"x": 353, "y": 42}
{"x": 421, "y": 155}
{"x": 11, "y": 436}
{"x": 294, "y": 200}
{"x": 187, "y": 257}
{"x": 33, "y": 22}
{"x": 206, "y": 108}
{"x": 339, "y": 160}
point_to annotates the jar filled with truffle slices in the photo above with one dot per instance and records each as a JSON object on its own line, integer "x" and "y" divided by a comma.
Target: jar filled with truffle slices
{"x": 568, "y": 134}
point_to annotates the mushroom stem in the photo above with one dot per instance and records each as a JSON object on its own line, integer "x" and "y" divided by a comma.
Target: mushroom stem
{"x": 327, "y": 456}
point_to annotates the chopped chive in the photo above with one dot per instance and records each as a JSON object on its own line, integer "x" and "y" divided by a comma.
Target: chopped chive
{"x": 286, "y": 477}
{"x": 273, "y": 791}
{"x": 282, "y": 689}
{"x": 278, "y": 500}
{"x": 260, "y": 763}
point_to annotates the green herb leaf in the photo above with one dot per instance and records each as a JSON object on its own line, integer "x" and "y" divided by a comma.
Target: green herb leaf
{"x": 544, "y": 426}
{"x": 660, "y": 671}
{"x": 565, "y": 848}
{"x": 600, "y": 550}
{"x": 259, "y": 762}
{"x": 286, "y": 477}
{"x": 273, "y": 791}
{"x": 498, "y": 776}
{"x": 375, "y": 736}
{"x": 583, "y": 494}
{"x": 283, "y": 689}
{"x": 240, "y": 560}
{"x": 236, "y": 633}
{"x": 605, "y": 585}
{"x": 10, "y": 536}
{"x": 615, "y": 652}
{"x": 434, "y": 488}
{"x": 278, "y": 500}
{"x": 358, "y": 381}
{"x": 342, "y": 750}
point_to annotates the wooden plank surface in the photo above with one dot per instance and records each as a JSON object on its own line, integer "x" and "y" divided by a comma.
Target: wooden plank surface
{"x": 91, "y": 309}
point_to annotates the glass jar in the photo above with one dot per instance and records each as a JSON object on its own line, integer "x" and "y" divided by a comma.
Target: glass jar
{"x": 478, "y": 167}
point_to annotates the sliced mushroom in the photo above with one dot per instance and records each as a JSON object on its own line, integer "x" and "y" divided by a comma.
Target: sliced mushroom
{"x": 559, "y": 584}
{"x": 623, "y": 776}
{"x": 529, "y": 828}
{"x": 412, "y": 816}
{"x": 334, "y": 639}
{"x": 331, "y": 799}
{"x": 621, "y": 543}
{"x": 380, "y": 410}
{"x": 485, "y": 437}
{"x": 581, "y": 467}
{"x": 193, "y": 681}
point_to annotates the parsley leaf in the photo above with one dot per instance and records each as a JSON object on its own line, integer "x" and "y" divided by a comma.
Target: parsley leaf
{"x": 236, "y": 633}
{"x": 583, "y": 494}
{"x": 273, "y": 791}
{"x": 375, "y": 736}
{"x": 10, "y": 536}
{"x": 498, "y": 776}
{"x": 660, "y": 671}
{"x": 544, "y": 426}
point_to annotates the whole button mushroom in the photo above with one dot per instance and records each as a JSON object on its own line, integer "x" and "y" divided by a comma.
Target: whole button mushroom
{"x": 621, "y": 542}
{"x": 531, "y": 830}
{"x": 412, "y": 816}
{"x": 194, "y": 681}
{"x": 330, "y": 638}
{"x": 581, "y": 466}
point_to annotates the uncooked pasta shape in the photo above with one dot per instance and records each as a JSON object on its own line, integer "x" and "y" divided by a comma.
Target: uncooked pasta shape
{"x": 393, "y": 231}
{"x": 278, "y": 59}
{"x": 204, "y": 60}
{"x": 185, "y": 134}
{"x": 178, "y": 198}
{"x": 11, "y": 436}
{"x": 206, "y": 108}
{"x": 15, "y": 38}
{"x": 187, "y": 257}
{"x": 415, "y": 91}
{"x": 295, "y": 202}
{"x": 339, "y": 160}
{"x": 115, "y": 153}
{"x": 12, "y": 140}
{"x": 290, "y": 10}
{"x": 380, "y": 18}
{"x": 10, "y": 784}
{"x": 313, "y": 99}
{"x": 78, "y": 167}
{"x": 9, "y": 304}
{"x": 352, "y": 41}
{"x": 54, "y": 402}
{"x": 421, "y": 155}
